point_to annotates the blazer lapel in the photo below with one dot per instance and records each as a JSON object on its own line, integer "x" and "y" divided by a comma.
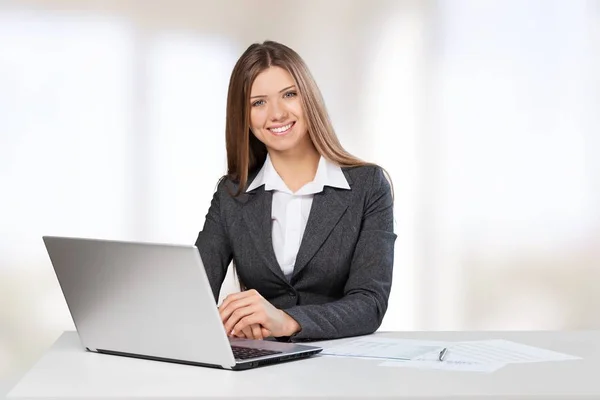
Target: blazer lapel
{"x": 327, "y": 208}
{"x": 257, "y": 213}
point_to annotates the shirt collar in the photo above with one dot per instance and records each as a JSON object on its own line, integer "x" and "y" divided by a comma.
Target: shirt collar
{"x": 328, "y": 174}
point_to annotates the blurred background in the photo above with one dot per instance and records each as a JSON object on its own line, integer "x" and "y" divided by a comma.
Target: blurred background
{"x": 486, "y": 113}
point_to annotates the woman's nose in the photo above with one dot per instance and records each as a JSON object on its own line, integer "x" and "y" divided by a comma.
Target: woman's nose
{"x": 277, "y": 111}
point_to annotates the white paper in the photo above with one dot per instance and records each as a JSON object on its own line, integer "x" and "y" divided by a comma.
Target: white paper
{"x": 482, "y": 356}
{"x": 499, "y": 351}
{"x": 378, "y": 348}
{"x": 446, "y": 365}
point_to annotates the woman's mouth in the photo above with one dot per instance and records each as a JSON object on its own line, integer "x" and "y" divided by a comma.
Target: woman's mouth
{"x": 282, "y": 130}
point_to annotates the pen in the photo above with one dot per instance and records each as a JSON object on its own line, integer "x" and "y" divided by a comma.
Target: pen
{"x": 443, "y": 354}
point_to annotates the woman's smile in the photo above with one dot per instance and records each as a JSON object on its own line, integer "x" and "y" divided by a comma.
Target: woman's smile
{"x": 282, "y": 129}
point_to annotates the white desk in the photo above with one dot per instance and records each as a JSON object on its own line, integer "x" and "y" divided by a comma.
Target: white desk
{"x": 67, "y": 371}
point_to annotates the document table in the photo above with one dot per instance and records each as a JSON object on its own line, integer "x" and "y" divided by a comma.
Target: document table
{"x": 67, "y": 371}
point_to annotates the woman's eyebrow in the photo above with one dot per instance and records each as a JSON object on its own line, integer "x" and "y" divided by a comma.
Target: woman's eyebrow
{"x": 282, "y": 90}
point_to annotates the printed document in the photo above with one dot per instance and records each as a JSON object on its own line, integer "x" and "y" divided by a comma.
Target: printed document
{"x": 393, "y": 349}
{"x": 502, "y": 351}
{"x": 469, "y": 356}
{"x": 483, "y": 356}
{"x": 446, "y": 365}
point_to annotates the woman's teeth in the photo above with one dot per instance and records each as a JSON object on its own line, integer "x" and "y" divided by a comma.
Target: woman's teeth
{"x": 281, "y": 129}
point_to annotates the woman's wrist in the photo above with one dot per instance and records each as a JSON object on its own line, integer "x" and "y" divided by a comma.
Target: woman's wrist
{"x": 291, "y": 325}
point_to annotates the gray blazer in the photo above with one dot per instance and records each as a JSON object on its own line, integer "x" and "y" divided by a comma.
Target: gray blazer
{"x": 343, "y": 272}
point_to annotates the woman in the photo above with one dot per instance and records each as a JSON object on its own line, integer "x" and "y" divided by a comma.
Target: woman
{"x": 308, "y": 226}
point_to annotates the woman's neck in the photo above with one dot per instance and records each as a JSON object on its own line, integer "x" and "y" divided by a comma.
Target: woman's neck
{"x": 298, "y": 168}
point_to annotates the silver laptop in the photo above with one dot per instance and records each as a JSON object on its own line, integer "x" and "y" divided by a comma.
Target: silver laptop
{"x": 152, "y": 301}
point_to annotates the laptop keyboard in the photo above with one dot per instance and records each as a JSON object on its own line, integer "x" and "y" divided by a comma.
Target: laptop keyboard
{"x": 243, "y": 353}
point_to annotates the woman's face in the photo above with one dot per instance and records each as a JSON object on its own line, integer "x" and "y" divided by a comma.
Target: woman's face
{"x": 276, "y": 116}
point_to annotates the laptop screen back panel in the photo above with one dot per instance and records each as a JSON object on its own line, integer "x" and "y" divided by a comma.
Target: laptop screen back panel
{"x": 135, "y": 298}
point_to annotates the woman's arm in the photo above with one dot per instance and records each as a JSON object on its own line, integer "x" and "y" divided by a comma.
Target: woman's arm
{"x": 367, "y": 289}
{"x": 213, "y": 243}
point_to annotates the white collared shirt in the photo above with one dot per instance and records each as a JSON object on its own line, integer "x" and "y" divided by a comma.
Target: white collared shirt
{"x": 289, "y": 211}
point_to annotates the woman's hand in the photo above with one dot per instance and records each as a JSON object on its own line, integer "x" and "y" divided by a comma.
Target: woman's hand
{"x": 254, "y": 331}
{"x": 241, "y": 312}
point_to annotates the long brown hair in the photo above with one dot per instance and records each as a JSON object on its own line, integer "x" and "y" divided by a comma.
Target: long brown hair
{"x": 245, "y": 153}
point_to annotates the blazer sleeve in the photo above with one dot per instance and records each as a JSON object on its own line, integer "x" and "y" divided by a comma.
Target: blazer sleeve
{"x": 360, "y": 311}
{"x": 213, "y": 242}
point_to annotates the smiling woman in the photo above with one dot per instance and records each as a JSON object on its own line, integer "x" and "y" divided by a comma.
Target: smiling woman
{"x": 277, "y": 121}
{"x": 308, "y": 226}
{"x": 273, "y": 116}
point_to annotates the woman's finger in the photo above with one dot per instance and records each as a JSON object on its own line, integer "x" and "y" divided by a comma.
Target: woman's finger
{"x": 236, "y": 316}
{"x": 256, "y": 331}
{"x": 226, "y": 311}
{"x": 248, "y": 320}
{"x": 234, "y": 297}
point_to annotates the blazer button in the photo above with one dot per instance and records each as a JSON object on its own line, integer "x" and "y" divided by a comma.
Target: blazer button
{"x": 292, "y": 294}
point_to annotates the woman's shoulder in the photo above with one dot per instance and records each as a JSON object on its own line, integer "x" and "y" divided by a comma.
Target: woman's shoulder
{"x": 368, "y": 175}
{"x": 227, "y": 189}
{"x": 226, "y": 184}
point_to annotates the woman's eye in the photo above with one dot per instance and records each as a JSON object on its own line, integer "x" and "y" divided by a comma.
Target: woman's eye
{"x": 258, "y": 103}
{"x": 290, "y": 94}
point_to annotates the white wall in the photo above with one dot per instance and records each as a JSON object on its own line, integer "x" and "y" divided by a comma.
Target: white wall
{"x": 484, "y": 113}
